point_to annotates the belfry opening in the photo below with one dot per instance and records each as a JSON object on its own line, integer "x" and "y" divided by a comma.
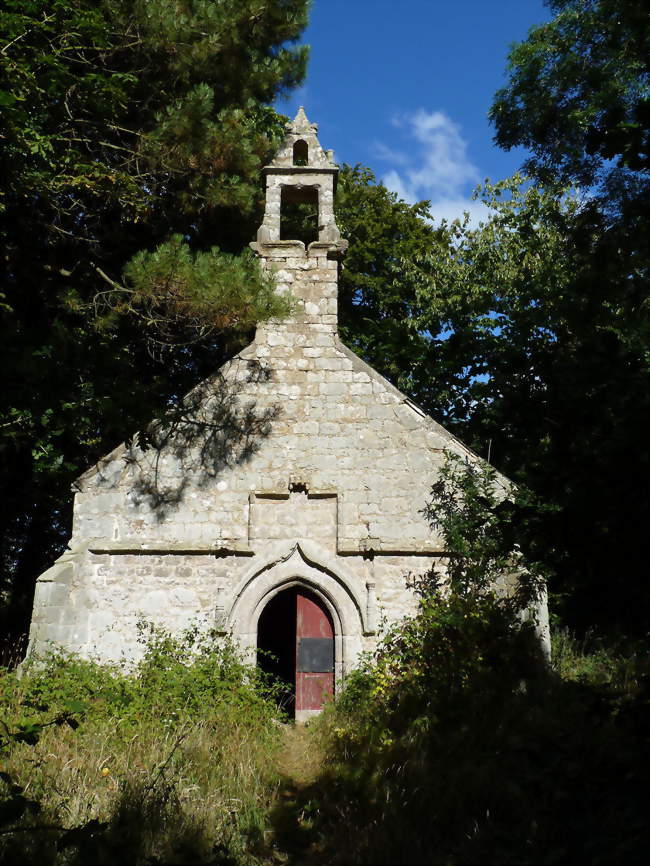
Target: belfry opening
{"x": 295, "y": 643}
{"x": 299, "y": 214}
{"x": 300, "y": 152}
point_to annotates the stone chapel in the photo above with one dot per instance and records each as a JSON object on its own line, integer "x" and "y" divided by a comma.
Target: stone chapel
{"x": 284, "y": 506}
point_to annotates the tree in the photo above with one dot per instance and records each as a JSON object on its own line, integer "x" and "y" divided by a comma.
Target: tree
{"x": 529, "y": 336}
{"x": 133, "y": 137}
{"x": 521, "y": 337}
{"x": 578, "y": 95}
{"x": 560, "y": 390}
{"x": 382, "y": 286}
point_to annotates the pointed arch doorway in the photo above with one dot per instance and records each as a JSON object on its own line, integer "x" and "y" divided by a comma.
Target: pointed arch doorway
{"x": 295, "y": 642}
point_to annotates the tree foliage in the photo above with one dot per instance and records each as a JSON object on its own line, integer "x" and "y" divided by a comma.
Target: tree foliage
{"x": 528, "y": 337}
{"x": 578, "y": 94}
{"x": 482, "y": 520}
{"x": 181, "y": 296}
{"x": 133, "y": 136}
{"x": 381, "y": 303}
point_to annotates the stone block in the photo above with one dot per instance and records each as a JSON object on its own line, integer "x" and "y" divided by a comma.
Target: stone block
{"x": 336, "y": 389}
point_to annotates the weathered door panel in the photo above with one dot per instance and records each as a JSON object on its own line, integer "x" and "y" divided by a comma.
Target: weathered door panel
{"x": 314, "y": 656}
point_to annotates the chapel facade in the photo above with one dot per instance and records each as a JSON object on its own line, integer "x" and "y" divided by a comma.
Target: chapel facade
{"x": 284, "y": 506}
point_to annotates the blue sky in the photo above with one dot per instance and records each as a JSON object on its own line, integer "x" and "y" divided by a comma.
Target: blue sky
{"x": 404, "y": 87}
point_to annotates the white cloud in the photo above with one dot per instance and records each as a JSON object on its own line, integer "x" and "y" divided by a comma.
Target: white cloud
{"x": 387, "y": 154}
{"x": 434, "y": 166}
{"x": 454, "y": 208}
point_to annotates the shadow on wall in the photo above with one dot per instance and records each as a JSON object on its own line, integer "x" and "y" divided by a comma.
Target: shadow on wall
{"x": 209, "y": 430}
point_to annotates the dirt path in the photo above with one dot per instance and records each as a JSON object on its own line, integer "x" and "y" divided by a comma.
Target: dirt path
{"x": 296, "y": 840}
{"x": 301, "y": 756}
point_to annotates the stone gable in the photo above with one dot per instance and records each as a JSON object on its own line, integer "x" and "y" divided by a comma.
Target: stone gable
{"x": 296, "y": 465}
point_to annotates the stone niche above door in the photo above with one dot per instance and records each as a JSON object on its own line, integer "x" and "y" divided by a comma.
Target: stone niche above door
{"x": 294, "y": 514}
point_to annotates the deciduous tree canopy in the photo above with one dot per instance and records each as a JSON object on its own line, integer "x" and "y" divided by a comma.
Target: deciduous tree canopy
{"x": 529, "y": 335}
{"x": 578, "y": 94}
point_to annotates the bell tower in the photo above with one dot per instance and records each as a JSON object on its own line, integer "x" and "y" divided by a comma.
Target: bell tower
{"x": 299, "y": 239}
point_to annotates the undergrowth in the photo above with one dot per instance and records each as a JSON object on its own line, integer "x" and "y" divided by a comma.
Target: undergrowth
{"x": 593, "y": 660}
{"x": 173, "y": 762}
{"x": 457, "y": 743}
{"x": 488, "y": 757}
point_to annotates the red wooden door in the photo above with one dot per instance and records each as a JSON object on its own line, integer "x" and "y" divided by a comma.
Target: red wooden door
{"x": 314, "y": 656}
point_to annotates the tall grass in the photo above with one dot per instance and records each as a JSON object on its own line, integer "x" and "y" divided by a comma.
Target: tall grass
{"x": 595, "y": 661}
{"x": 171, "y": 763}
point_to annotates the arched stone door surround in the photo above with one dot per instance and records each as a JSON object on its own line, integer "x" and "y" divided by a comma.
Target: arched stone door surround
{"x": 293, "y": 565}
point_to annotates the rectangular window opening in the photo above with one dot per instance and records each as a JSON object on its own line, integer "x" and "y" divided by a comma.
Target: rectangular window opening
{"x": 299, "y": 214}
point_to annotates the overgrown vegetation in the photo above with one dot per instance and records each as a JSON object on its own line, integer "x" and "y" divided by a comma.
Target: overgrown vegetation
{"x": 451, "y": 736}
{"x": 501, "y": 763}
{"x": 173, "y": 762}
{"x": 455, "y": 743}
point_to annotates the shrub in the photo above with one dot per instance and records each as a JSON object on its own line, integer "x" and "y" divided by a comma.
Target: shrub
{"x": 171, "y": 762}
